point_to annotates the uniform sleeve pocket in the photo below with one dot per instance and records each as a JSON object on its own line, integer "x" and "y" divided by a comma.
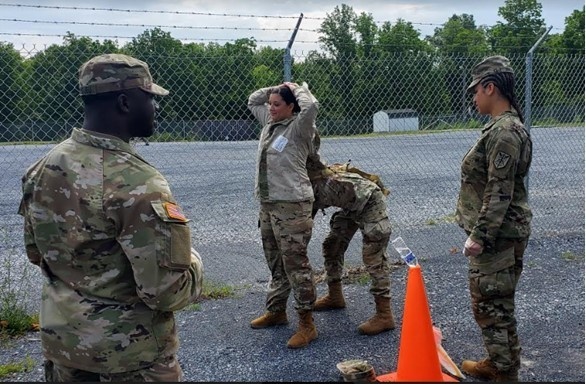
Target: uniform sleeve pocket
{"x": 173, "y": 240}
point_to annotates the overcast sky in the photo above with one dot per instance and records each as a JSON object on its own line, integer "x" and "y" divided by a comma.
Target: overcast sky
{"x": 204, "y": 22}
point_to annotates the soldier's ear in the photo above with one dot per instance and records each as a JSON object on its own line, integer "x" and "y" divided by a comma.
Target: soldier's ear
{"x": 122, "y": 103}
{"x": 490, "y": 89}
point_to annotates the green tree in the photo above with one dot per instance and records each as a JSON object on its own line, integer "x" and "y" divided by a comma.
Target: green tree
{"x": 404, "y": 68}
{"x": 460, "y": 44}
{"x": 162, "y": 53}
{"x": 11, "y": 83}
{"x": 560, "y": 95}
{"x": 459, "y": 35}
{"x": 367, "y": 32}
{"x": 316, "y": 70}
{"x": 235, "y": 81}
{"x": 337, "y": 38}
{"x": 401, "y": 37}
{"x": 272, "y": 58}
{"x": 337, "y": 33}
{"x": 522, "y": 27}
{"x": 55, "y": 105}
{"x": 573, "y": 35}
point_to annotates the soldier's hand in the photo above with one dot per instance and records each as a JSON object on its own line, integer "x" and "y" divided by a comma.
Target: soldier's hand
{"x": 472, "y": 248}
{"x": 291, "y": 86}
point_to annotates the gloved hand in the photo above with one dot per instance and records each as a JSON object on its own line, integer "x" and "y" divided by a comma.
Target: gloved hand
{"x": 197, "y": 266}
{"x": 472, "y": 248}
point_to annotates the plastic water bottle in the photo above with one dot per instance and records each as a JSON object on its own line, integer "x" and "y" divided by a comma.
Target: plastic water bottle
{"x": 406, "y": 254}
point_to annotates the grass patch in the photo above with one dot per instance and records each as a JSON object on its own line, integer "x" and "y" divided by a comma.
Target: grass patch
{"x": 16, "y": 278}
{"x": 14, "y": 318}
{"x": 21, "y": 366}
{"x": 363, "y": 279}
{"x": 195, "y": 307}
{"x": 571, "y": 256}
{"x": 214, "y": 291}
{"x": 451, "y": 218}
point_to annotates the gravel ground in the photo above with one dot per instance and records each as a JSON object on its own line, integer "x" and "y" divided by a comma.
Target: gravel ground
{"x": 217, "y": 343}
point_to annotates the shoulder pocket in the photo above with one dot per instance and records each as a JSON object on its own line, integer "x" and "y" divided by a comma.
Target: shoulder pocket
{"x": 173, "y": 237}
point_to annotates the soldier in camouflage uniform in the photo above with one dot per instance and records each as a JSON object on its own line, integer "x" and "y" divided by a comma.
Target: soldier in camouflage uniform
{"x": 111, "y": 241}
{"x": 493, "y": 210}
{"x": 362, "y": 206}
{"x": 287, "y": 113}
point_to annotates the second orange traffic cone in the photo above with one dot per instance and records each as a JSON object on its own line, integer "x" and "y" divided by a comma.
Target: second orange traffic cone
{"x": 418, "y": 359}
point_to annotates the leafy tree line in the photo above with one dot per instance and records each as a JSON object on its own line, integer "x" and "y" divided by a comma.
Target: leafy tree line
{"x": 363, "y": 68}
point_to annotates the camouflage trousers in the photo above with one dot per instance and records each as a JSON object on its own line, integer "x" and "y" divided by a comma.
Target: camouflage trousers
{"x": 493, "y": 277}
{"x": 166, "y": 370}
{"x": 375, "y": 226}
{"x": 285, "y": 229}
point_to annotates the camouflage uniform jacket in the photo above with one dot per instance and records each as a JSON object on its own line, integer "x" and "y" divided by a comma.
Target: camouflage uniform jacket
{"x": 493, "y": 198}
{"x": 345, "y": 190}
{"x": 115, "y": 251}
{"x": 283, "y": 148}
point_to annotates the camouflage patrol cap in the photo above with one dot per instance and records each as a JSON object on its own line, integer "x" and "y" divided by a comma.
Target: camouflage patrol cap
{"x": 115, "y": 72}
{"x": 490, "y": 65}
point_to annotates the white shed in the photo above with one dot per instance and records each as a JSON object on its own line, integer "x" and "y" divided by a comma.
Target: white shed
{"x": 395, "y": 120}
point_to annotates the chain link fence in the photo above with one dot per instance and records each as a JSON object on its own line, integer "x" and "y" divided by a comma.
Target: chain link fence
{"x": 403, "y": 116}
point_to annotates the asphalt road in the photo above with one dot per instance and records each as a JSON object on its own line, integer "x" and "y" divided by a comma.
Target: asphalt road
{"x": 214, "y": 181}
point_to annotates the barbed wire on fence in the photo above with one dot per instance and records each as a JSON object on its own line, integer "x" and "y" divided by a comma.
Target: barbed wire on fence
{"x": 401, "y": 114}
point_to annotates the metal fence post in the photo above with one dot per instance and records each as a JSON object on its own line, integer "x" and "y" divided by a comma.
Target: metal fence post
{"x": 529, "y": 89}
{"x": 287, "y": 56}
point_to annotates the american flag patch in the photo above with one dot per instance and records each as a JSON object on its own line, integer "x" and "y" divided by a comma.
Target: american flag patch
{"x": 174, "y": 211}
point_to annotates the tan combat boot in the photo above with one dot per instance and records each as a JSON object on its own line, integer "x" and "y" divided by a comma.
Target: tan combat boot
{"x": 305, "y": 333}
{"x": 333, "y": 300}
{"x": 485, "y": 369}
{"x": 269, "y": 319}
{"x": 381, "y": 321}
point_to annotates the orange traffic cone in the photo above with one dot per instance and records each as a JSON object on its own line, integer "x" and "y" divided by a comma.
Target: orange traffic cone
{"x": 418, "y": 358}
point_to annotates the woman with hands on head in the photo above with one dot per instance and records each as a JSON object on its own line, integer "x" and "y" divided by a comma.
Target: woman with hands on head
{"x": 287, "y": 113}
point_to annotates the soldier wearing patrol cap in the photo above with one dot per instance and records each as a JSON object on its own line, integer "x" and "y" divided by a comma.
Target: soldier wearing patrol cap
{"x": 112, "y": 243}
{"x": 493, "y": 210}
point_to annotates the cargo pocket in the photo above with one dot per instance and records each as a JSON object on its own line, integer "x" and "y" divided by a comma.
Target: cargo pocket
{"x": 173, "y": 239}
{"x": 493, "y": 274}
{"x": 377, "y": 231}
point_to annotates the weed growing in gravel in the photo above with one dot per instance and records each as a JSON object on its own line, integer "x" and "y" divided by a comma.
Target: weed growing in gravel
{"x": 570, "y": 256}
{"x": 15, "y": 280}
{"x": 363, "y": 279}
{"x": 451, "y": 218}
{"x": 22, "y": 366}
{"x": 196, "y": 307}
{"x": 214, "y": 291}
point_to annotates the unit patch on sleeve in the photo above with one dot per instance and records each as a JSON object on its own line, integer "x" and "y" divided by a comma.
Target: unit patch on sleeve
{"x": 174, "y": 211}
{"x": 501, "y": 160}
